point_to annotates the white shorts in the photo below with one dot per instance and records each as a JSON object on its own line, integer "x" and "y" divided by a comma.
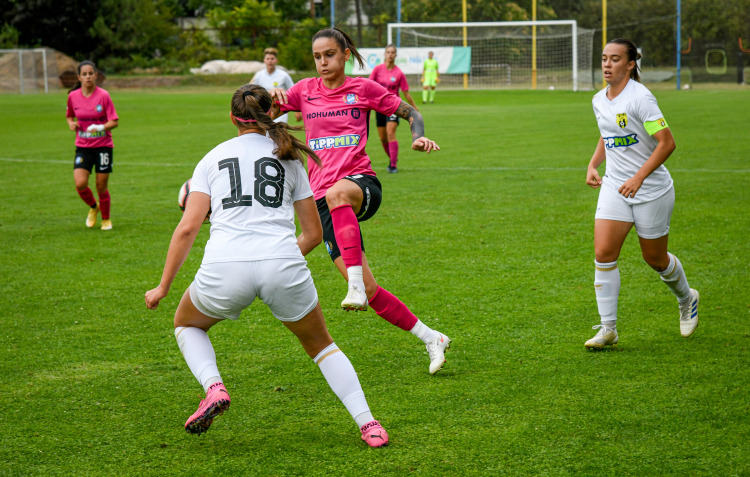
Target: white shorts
{"x": 222, "y": 290}
{"x": 651, "y": 218}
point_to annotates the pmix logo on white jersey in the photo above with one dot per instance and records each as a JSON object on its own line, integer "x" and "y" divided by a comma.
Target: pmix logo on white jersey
{"x": 620, "y": 141}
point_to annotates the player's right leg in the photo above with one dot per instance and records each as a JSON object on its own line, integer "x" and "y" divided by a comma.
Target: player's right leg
{"x": 81, "y": 173}
{"x": 609, "y": 235}
{"x": 343, "y": 199}
{"x": 191, "y": 327}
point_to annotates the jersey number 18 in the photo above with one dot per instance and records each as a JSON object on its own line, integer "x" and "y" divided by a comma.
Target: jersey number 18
{"x": 269, "y": 183}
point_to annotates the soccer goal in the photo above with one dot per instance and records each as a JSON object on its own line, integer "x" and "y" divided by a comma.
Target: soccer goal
{"x": 542, "y": 54}
{"x": 28, "y": 70}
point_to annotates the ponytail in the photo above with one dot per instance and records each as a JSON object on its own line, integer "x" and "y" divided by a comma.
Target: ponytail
{"x": 252, "y": 106}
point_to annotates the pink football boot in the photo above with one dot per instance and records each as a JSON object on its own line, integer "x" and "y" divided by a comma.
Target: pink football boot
{"x": 217, "y": 401}
{"x": 374, "y": 434}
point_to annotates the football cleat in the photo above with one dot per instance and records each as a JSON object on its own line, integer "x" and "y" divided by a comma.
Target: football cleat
{"x": 106, "y": 224}
{"x": 374, "y": 434}
{"x": 436, "y": 349}
{"x": 217, "y": 401}
{"x": 605, "y": 337}
{"x": 392, "y": 169}
{"x": 91, "y": 217}
{"x": 689, "y": 314}
{"x": 356, "y": 298}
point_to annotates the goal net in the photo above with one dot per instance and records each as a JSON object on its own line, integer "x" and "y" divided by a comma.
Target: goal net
{"x": 543, "y": 54}
{"x": 28, "y": 70}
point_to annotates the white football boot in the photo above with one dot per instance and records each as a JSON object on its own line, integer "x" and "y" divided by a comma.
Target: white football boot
{"x": 689, "y": 314}
{"x": 436, "y": 349}
{"x": 604, "y": 337}
{"x": 356, "y": 298}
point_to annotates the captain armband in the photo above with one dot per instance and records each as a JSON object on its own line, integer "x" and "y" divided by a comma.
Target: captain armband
{"x": 653, "y": 127}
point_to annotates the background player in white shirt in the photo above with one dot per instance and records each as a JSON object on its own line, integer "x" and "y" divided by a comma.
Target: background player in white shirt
{"x": 253, "y": 185}
{"x": 636, "y": 189}
{"x": 273, "y": 77}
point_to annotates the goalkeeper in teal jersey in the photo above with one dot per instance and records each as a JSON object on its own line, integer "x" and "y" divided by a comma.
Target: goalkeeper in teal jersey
{"x": 430, "y": 78}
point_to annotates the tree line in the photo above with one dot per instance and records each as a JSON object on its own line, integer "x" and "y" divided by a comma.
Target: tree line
{"x": 123, "y": 35}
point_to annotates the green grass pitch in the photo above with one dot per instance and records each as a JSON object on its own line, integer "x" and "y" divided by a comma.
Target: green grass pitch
{"x": 489, "y": 240}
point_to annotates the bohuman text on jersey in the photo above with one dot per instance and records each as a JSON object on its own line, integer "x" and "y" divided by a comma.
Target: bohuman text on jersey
{"x": 327, "y": 114}
{"x": 620, "y": 141}
{"x": 347, "y": 140}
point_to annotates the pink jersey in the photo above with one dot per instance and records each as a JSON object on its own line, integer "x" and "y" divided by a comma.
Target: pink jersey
{"x": 393, "y": 80}
{"x": 96, "y": 109}
{"x": 336, "y": 125}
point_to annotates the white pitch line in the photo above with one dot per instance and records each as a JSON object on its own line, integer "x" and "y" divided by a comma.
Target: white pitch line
{"x": 479, "y": 169}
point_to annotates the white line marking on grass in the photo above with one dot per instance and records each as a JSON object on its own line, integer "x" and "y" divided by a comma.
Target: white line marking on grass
{"x": 503, "y": 168}
{"x": 478, "y": 169}
{"x": 59, "y": 161}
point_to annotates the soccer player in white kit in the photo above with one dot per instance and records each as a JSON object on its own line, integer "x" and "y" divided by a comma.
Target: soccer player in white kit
{"x": 253, "y": 185}
{"x": 636, "y": 189}
{"x": 273, "y": 77}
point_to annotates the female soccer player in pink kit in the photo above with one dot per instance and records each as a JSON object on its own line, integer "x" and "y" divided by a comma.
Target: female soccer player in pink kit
{"x": 335, "y": 109}
{"x": 390, "y": 76}
{"x": 91, "y": 115}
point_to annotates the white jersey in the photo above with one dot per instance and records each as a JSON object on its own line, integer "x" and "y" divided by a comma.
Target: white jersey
{"x": 627, "y": 143}
{"x": 252, "y": 200}
{"x": 278, "y": 79}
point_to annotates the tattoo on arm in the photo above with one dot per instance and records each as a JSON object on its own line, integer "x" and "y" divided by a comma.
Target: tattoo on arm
{"x": 410, "y": 113}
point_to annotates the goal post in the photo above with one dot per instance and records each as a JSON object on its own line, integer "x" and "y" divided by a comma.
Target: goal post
{"x": 26, "y": 70}
{"x": 502, "y": 53}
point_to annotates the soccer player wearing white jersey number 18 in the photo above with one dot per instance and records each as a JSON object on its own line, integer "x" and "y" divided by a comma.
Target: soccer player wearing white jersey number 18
{"x": 636, "y": 189}
{"x": 336, "y": 110}
{"x": 253, "y": 185}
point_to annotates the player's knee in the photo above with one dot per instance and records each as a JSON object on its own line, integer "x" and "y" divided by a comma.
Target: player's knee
{"x": 606, "y": 255}
{"x": 657, "y": 261}
{"x": 337, "y": 196}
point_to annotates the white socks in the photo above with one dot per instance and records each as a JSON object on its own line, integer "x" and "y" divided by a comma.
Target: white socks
{"x": 674, "y": 277}
{"x": 607, "y": 287}
{"x": 199, "y": 354}
{"x": 340, "y": 374}
{"x": 335, "y": 366}
{"x": 354, "y": 275}
{"x": 423, "y": 332}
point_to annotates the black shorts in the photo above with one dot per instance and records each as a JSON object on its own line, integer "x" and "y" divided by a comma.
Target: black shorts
{"x": 381, "y": 119}
{"x": 89, "y": 157}
{"x": 373, "y": 196}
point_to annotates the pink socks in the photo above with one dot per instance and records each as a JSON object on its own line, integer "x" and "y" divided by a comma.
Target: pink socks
{"x": 393, "y": 310}
{"x": 393, "y": 152}
{"x": 348, "y": 236}
{"x": 87, "y": 196}
{"x": 104, "y": 204}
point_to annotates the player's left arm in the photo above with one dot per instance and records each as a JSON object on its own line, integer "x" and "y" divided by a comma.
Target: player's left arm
{"x": 416, "y": 124}
{"x": 663, "y": 150}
